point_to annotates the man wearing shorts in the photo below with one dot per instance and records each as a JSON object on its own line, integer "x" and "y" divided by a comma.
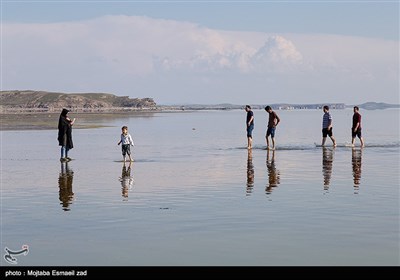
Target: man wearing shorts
{"x": 356, "y": 128}
{"x": 273, "y": 121}
{"x": 327, "y": 126}
{"x": 249, "y": 126}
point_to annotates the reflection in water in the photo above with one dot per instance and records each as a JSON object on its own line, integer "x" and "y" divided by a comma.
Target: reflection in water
{"x": 126, "y": 180}
{"x": 273, "y": 174}
{"x": 356, "y": 163}
{"x": 65, "y": 184}
{"x": 327, "y": 163}
{"x": 250, "y": 173}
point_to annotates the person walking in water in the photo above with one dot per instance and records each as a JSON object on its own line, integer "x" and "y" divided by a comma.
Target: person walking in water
{"x": 273, "y": 121}
{"x": 127, "y": 142}
{"x": 327, "y": 126}
{"x": 356, "y": 128}
{"x": 249, "y": 126}
{"x": 65, "y": 134}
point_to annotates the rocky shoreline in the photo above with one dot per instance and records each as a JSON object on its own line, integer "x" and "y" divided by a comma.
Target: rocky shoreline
{"x": 36, "y": 110}
{"x": 16, "y": 101}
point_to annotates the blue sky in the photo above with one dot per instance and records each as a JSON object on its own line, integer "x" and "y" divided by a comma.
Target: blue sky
{"x": 205, "y": 51}
{"x": 359, "y": 18}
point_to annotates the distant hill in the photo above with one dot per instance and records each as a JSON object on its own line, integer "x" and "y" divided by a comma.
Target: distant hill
{"x": 376, "y": 105}
{"x": 29, "y": 100}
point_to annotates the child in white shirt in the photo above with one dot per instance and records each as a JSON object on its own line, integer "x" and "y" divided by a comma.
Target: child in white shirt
{"x": 127, "y": 142}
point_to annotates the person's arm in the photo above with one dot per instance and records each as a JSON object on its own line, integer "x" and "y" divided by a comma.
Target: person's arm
{"x": 71, "y": 122}
{"x": 330, "y": 123}
{"x": 120, "y": 141}
{"x": 251, "y": 119}
{"x": 277, "y": 119}
{"x": 131, "y": 140}
{"x": 358, "y": 123}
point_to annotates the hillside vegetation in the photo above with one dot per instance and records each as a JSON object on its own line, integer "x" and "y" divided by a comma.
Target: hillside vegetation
{"x": 28, "y": 100}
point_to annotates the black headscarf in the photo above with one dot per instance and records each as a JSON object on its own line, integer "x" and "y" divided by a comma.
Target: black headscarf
{"x": 64, "y": 112}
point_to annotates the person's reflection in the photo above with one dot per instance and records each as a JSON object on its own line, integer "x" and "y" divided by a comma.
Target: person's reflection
{"x": 356, "y": 163}
{"x": 273, "y": 174}
{"x": 250, "y": 173}
{"x": 126, "y": 180}
{"x": 65, "y": 178}
{"x": 327, "y": 163}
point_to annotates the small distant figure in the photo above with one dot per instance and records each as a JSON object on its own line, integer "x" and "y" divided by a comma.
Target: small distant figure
{"x": 327, "y": 126}
{"x": 127, "y": 142}
{"x": 65, "y": 134}
{"x": 249, "y": 126}
{"x": 356, "y": 128}
{"x": 272, "y": 123}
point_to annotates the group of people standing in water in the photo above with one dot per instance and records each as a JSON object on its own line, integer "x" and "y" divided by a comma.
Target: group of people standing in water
{"x": 327, "y": 127}
{"x": 65, "y": 131}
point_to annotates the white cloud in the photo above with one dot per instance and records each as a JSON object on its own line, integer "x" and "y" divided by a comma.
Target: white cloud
{"x": 277, "y": 54}
{"x": 131, "y": 54}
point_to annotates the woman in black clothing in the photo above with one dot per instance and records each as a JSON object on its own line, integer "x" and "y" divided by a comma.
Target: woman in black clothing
{"x": 65, "y": 134}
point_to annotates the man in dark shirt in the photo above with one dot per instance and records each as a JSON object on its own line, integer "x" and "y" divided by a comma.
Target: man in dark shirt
{"x": 249, "y": 126}
{"x": 356, "y": 128}
{"x": 273, "y": 121}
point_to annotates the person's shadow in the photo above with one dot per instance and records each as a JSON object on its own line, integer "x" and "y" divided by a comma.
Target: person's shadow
{"x": 356, "y": 155}
{"x": 126, "y": 180}
{"x": 65, "y": 179}
{"x": 250, "y": 173}
{"x": 273, "y": 174}
{"x": 327, "y": 164}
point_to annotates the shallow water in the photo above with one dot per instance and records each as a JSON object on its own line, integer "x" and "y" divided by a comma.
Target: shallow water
{"x": 195, "y": 196}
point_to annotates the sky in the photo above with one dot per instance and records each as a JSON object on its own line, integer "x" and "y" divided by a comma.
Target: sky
{"x": 205, "y": 52}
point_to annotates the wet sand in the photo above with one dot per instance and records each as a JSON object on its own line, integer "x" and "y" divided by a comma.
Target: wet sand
{"x": 44, "y": 120}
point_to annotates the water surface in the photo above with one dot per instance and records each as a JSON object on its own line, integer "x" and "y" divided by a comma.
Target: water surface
{"x": 196, "y": 196}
